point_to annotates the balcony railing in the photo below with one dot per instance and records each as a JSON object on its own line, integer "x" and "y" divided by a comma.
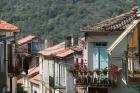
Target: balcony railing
{"x": 95, "y": 80}
{"x": 91, "y": 89}
{"x": 99, "y": 83}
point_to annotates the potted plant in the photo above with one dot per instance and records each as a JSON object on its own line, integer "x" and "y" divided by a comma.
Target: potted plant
{"x": 114, "y": 83}
{"x": 137, "y": 71}
{"x": 85, "y": 72}
{"x": 71, "y": 69}
{"x": 104, "y": 71}
{"x": 97, "y": 71}
{"x": 78, "y": 80}
{"x": 104, "y": 82}
{"x": 90, "y": 72}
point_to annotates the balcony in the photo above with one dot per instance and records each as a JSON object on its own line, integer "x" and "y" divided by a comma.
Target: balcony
{"x": 133, "y": 65}
{"x": 95, "y": 80}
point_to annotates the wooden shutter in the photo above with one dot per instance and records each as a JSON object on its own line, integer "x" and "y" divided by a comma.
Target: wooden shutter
{"x": 133, "y": 41}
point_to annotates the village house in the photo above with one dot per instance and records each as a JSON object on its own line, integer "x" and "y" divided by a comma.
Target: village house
{"x": 54, "y": 62}
{"x": 27, "y": 49}
{"x": 34, "y": 79}
{"x": 112, "y": 55}
{"x": 7, "y": 64}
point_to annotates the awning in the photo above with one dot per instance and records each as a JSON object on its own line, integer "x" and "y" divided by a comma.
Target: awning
{"x": 121, "y": 37}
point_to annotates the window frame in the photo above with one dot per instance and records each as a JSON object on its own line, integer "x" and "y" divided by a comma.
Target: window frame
{"x": 99, "y": 46}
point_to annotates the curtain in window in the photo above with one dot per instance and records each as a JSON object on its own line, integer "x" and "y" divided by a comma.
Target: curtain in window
{"x": 103, "y": 58}
{"x": 100, "y": 58}
{"x": 95, "y": 58}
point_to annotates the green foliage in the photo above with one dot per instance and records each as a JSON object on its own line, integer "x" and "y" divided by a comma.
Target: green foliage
{"x": 138, "y": 2}
{"x": 57, "y": 18}
{"x": 20, "y": 89}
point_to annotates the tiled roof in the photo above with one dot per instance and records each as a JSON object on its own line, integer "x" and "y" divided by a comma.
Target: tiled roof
{"x": 33, "y": 71}
{"x": 64, "y": 53}
{"x": 52, "y": 50}
{"x": 36, "y": 79}
{"x": 25, "y": 39}
{"x": 8, "y": 27}
{"x": 20, "y": 81}
{"x": 117, "y": 23}
{"x": 58, "y": 50}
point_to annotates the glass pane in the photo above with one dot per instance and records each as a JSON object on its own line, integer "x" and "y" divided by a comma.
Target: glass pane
{"x": 103, "y": 58}
{"x": 95, "y": 58}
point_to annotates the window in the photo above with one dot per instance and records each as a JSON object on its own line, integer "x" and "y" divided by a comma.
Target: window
{"x": 100, "y": 56}
{"x": 133, "y": 69}
{"x": 131, "y": 66}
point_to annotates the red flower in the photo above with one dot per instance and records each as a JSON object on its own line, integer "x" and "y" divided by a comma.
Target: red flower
{"x": 76, "y": 65}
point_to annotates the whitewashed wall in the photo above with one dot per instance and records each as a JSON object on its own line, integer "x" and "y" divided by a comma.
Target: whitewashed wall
{"x": 35, "y": 88}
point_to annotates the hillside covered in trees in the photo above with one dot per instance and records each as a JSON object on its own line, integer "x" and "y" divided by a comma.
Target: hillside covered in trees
{"x": 57, "y": 18}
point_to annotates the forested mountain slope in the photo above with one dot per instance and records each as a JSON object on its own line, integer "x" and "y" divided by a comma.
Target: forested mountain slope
{"x": 54, "y": 19}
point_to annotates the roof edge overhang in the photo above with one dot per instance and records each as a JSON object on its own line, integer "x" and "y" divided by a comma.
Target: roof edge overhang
{"x": 122, "y": 36}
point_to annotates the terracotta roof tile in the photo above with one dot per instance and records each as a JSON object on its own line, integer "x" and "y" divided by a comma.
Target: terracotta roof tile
{"x": 53, "y": 50}
{"x": 32, "y": 71}
{"x": 25, "y": 39}
{"x": 118, "y": 23}
{"x": 8, "y": 27}
{"x": 20, "y": 81}
{"x": 58, "y": 50}
{"x": 64, "y": 53}
{"x": 36, "y": 79}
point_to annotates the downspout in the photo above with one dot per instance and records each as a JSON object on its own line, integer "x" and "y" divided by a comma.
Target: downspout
{"x": 5, "y": 63}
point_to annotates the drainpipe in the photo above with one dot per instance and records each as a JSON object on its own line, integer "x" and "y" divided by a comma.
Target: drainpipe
{"x": 5, "y": 61}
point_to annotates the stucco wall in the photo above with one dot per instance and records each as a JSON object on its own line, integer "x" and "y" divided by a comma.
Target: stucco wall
{"x": 69, "y": 77}
{"x": 44, "y": 73}
{"x": 35, "y": 88}
{"x": 115, "y": 56}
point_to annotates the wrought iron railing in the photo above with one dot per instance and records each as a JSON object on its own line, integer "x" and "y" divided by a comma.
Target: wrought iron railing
{"x": 95, "y": 80}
